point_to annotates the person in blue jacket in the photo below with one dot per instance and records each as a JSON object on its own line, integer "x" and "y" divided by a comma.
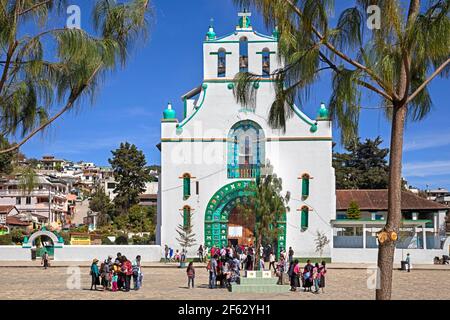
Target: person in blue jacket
{"x": 95, "y": 274}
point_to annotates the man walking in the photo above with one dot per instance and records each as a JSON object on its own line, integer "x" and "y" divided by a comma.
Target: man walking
{"x": 212, "y": 267}
{"x": 408, "y": 262}
{"x": 45, "y": 260}
{"x": 291, "y": 255}
{"x": 166, "y": 253}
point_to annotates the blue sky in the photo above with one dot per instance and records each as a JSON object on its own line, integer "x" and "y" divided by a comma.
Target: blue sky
{"x": 130, "y": 103}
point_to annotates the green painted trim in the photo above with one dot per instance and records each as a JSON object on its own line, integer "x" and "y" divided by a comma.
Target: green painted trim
{"x": 227, "y": 80}
{"x": 301, "y": 115}
{"x": 183, "y": 123}
{"x": 169, "y": 120}
{"x": 299, "y": 139}
{"x": 270, "y": 52}
{"x": 194, "y": 140}
{"x": 323, "y": 119}
{"x": 185, "y": 108}
{"x": 277, "y": 139}
{"x": 217, "y": 53}
{"x": 234, "y": 41}
{"x": 218, "y": 209}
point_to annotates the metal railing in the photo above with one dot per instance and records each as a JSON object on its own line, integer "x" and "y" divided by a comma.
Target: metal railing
{"x": 243, "y": 171}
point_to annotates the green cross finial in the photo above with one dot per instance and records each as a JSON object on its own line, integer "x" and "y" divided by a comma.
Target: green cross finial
{"x": 244, "y": 21}
{"x": 211, "y": 35}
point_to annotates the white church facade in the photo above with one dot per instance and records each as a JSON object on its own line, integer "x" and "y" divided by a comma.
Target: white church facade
{"x": 209, "y": 157}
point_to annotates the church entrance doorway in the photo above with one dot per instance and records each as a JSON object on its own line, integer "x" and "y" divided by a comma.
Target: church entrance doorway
{"x": 225, "y": 225}
{"x": 240, "y": 228}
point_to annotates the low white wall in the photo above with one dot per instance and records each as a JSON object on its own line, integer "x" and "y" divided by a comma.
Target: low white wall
{"x": 417, "y": 256}
{"x": 87, "y": 253}
{"x": 14, "y": 253}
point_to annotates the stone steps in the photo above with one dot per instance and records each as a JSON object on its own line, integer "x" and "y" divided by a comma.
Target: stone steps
{"x": 259, "y": 282}
{"x": 258, "y": 288}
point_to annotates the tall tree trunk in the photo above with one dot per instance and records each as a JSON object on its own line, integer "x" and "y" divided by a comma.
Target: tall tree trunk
{"x": 387, "y": 249}
{"x": 257, "y": 255}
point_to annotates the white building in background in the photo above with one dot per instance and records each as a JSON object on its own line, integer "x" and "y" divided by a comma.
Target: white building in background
{"x": 219, "y": 146}
{"x": 45, "y": 204}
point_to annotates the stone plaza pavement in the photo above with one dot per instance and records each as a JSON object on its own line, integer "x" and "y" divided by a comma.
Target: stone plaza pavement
{"x": 163, "y": 281}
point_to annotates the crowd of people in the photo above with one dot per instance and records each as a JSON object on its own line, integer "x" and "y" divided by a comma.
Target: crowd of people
{"x": 171, "y": 255}
{"x": 116, "y": 275}
{"x": 226, "y": 263}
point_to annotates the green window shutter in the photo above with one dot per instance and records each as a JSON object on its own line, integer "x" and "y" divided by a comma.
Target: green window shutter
{"x": 186, "y": 187}
{"x": 186, "y": 216}
{"x": 305, "y": 186}
{"x": 305, "y": 218}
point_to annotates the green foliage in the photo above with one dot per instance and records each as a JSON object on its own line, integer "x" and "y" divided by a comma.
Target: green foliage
{"x": 106, "y": 241}
{"x": 54, "y": 65}
{"x": 6, "y": 240}
{"x": 80, "y": 229}
{"x": 267, "y": 206}
{"x": 6, "y": 159}
{"x": 122, "y": 239}
{"x": 66, "y": 237}
{"x": 17, "y": 235}
{"x": 353, "y": 211}
{"x": 364, "y": 166}
{"x": 101, "y": 204}
{"x": 144, "y": 240}
{"x": 27, "y": 179}
{"x": 138, "y": 219}
{"x": 131, "y": 173}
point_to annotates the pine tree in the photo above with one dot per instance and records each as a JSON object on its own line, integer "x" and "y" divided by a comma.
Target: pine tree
{"x": 363, "y": 166}
{"x": 131, "y": 173}
{"x": 186, "y": 236}
{"x": 353, "y": 211}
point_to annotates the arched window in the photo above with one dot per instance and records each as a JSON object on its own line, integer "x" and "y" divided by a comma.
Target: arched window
{"x": 221, "y": 63}
{"x": 186, "y": 185}
{"x": 305, "y": 185}
{"x": 243, "y": 54}
{"x": 246, "y": 150}
{"x": 304, "y": 220}
{"x": 186, "y": 216}
{"x": 266, "y": 63}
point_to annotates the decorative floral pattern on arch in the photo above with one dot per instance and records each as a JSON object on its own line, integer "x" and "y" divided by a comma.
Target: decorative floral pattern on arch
{"x": 219, "y": 208}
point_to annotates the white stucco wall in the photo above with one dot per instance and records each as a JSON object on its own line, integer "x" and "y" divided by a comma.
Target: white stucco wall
{"x": 14, "y": 253}
{"x": 417, "y": 256}
{"x": 85, "y": 253}
{"x": 151, "y": 253}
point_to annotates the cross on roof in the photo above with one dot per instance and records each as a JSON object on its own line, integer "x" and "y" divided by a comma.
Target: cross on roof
{"x": 245, "y": 13}
{"x": 244, "y": 21}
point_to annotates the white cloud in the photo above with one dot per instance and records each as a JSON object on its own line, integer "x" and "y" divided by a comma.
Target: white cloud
{"x": 426, "y": 168}
{"x": 427, "y": 141}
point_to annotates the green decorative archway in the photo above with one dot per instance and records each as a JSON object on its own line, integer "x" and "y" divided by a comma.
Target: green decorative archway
{"x": 219, "y": 208}
{"x": 58, "y": 241}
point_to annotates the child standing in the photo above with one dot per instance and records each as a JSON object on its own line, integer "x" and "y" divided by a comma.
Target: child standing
{"x": 114, "y": 279}
{"x": 323, "y": 271}
{"x": 190, "y": 271}
{"x": 316, "y": 278}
